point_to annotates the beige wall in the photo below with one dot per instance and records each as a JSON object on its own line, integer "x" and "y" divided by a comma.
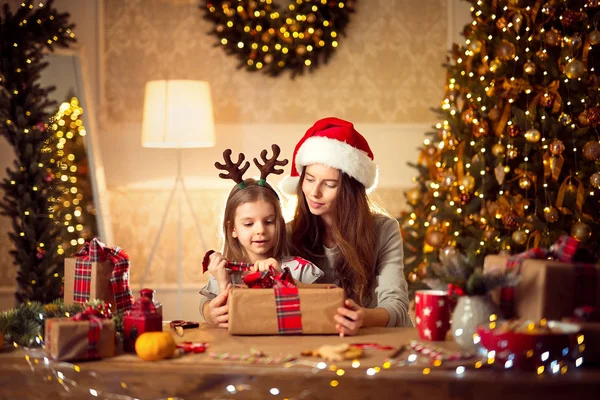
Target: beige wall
{"x": 385, "y": 76}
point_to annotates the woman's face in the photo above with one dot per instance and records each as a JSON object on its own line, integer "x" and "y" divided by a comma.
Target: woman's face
{"x": 320, "y": 187}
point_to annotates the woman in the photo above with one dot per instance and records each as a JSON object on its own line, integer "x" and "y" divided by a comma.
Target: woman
{"x": 335, "y": 228}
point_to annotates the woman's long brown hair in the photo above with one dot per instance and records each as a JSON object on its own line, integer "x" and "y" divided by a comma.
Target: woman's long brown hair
{"x": 352, "y": 231}
{"x": 233, "y": 249}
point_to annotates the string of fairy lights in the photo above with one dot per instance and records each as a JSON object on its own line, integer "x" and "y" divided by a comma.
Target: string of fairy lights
{"x": 75, "y": 209}
{"x": 517, "y": 78}
{"x": 266, "y": 38}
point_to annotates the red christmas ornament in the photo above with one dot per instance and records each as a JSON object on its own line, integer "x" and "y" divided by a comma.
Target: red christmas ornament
{"x": 513, "y": 130}
{"x": 464, "y": 198}
{"x": 570, "y": 17}
{"x": 594, "y": 115}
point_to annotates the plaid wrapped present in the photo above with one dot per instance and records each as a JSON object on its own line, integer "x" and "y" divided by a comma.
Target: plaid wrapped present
{"x": 551, "y": 285}
{"x": 274, "y": 304}
{"x": 98, "y": 272}
{"x": 87, "y": 335}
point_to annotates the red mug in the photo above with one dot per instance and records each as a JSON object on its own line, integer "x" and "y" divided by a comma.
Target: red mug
{"x": 432, "y": 309}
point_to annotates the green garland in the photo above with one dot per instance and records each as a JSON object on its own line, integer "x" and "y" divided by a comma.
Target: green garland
{"x": 266, "y": 38}
{"x": 24, "y": 325}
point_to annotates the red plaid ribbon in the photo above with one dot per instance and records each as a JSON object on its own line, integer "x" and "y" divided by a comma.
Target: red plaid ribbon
{"x": 95, "y": 319}
{"x": 96, "y": 251}
{"x": 562, "y": 250}
{"x": 287, "y": 299}
{"x": 231, "y": 265}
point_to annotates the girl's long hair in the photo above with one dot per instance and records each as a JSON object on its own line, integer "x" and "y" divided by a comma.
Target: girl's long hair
{"x": 352, "y": 231}
{"x": 232, "y": 248}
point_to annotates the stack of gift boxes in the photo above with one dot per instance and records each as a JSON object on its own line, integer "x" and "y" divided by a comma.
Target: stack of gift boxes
{"x": 553, "y": 285}
{"x": 98, "y": 272}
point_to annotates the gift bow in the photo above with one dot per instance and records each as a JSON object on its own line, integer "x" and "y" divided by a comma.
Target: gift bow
{"x": 287, "y": 299}
{"x": 95, "y": 318}
{"x": 231, "y": 265}
{"x": 96, "y": 251}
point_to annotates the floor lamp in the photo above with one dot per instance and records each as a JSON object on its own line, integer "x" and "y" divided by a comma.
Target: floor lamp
{"x": 177, "y": 114}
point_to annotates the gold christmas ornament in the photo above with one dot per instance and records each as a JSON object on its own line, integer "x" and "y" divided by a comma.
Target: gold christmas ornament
{"x": 448, "y": 178}
{"x": 583, "y": 118}
{"x": 519, "y": 237}
{"x": 512, "y": 153}
{"x": 495, "y": 64}
{"x": 557, "y": 147}
{"x": 573, "y": 42}
{"x": 412, "y": 277}
{"x": 414, "y": 195}
{"x": 591, "y": 150}
{"x": 574, "y": 69}
{"x": 301, "y": 50}
{"x": 435, "y": 239}
{"x": 498, "y": 149}
{"x": 475, "y": 46}
{"x": 595, "y": 180}
{"x": 551, "y": 214}
{"x": 494, "y": 114}
{"x": 581, "y": 231}
{"x": 533, "y": 135}
{"x": 468, "y": 182}
{"x": 553, "y": 38}
{"x": 525, "y": 182}
{"x": 565, "y": 119}
{"x": 468, "y": 115}
{"x": 506, "y": 50}
{"x": 490, "y": 234}
{"x": 501, "y": 23}
{"x": 594, "y": 37}
{"x": 529, "y": 67}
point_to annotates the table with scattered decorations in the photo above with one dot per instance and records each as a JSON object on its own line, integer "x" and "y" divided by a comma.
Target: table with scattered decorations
{"x": 259, "y": 367}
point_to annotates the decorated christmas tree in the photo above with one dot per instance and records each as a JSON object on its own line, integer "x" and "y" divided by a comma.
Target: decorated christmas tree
{"x": 514, "y": 161}
{"x": 74, "y": 210}
{"x": 28, "y": 189}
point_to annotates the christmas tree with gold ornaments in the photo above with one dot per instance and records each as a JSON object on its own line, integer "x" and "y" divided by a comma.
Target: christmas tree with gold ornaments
{"x": 514, "y": 161}
{"x": 74, "y": 210}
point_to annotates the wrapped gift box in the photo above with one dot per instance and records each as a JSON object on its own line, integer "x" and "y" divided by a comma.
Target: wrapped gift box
{"x": 67, "y": 339}
{"x": 547, "y": 288}
{"x": 254, "y": 311}
{"x": 100, "y": 286}
{"x": 98, "y": 272}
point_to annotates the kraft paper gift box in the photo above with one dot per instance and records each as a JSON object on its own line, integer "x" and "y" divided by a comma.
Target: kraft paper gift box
{"x": 67, "y": 339}
{"x": 253, "y": 311}
{"x": 547, "y": 288}
{"x": 98, "y": 272}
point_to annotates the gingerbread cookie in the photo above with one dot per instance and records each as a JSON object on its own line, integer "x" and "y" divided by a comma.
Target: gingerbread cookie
{"x": 338, "y": 352}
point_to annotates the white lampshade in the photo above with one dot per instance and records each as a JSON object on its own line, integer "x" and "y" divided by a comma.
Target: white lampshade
{"x": 178, "y": 113}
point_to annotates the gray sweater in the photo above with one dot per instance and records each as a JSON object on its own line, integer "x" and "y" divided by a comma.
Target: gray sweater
{"x": 389, "y": 291}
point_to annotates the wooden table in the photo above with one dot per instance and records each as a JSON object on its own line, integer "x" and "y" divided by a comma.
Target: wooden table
{"x": 197, "y": 376}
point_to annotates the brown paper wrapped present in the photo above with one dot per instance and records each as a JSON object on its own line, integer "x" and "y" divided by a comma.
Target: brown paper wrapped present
{"x": 98, "y": 272}
{"x": 254, "y": 312}
{"x": 547, "y": 288}
{"x": 67, "y": 339}
{"x": 100, "y": 286}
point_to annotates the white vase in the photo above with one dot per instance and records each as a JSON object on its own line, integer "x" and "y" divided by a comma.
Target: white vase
{"x": 469, "y": 312}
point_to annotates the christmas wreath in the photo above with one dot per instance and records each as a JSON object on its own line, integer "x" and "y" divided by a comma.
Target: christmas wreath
{"x": 265, "y": 37}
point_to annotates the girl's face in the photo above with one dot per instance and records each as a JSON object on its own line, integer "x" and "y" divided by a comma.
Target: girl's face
{"x": 254, "y": 227}
{"x": 320, "y": 187}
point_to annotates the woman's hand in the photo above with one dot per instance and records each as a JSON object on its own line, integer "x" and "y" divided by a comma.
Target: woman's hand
{"x": 349, "y": 318}
{"x": 217, "y": 312}
{"x": 217, "y": 267}
{"x": 263, "y": 265}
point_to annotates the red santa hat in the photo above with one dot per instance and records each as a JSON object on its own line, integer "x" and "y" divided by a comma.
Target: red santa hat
{"x": 335, "y": 143}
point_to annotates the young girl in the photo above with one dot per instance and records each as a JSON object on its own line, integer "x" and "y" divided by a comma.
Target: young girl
{"x": 357, "y": 249}
{"x": 254, "y": 231}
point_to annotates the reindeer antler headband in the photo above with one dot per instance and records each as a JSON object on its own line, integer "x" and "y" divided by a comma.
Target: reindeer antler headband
{"x": 235, "y": 171}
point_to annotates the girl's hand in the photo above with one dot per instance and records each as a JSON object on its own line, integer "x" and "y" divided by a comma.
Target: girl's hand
{"x": 349, "y": 318}
{"x": 218, "y": 309}
{"x": 263, "y": 265}
{"x": 217, "y": 267}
